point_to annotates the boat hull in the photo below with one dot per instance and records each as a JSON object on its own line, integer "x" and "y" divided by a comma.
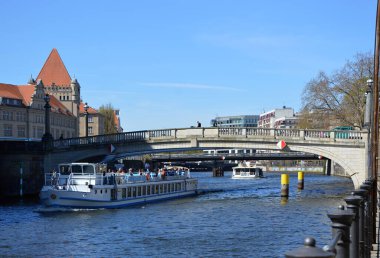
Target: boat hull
{"x": 67, "y": 199}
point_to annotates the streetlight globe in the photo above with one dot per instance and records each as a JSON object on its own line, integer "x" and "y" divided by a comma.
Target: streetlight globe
{"x": 47, "y": 98}
{"x": 369, "y": 82}
{"x": 85, "y": 107}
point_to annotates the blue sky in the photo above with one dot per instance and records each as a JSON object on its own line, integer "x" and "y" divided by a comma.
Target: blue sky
{"x": 169, "y": 63}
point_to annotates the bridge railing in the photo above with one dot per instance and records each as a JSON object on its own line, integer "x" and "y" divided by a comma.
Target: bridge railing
{"x": 269, "y": 133}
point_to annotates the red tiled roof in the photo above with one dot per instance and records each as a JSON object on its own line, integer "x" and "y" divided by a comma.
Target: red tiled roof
{"x": 90, "y": 109}
{"x": 25, "y": 92}
{"x": 10, "y": 91}
{"x": 54, "y": 71}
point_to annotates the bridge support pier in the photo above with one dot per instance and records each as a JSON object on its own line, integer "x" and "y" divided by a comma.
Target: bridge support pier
{"x": 328, "y": 167}
{"x": 217, "y": 170}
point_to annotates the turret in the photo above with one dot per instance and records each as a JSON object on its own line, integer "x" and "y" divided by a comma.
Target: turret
{"x": 75, "y": 89}
{"x": 31, "y": 80}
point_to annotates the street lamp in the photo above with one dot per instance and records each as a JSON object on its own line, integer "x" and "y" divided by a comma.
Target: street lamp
{"x": 47, "y": 137}
{"x": 367, "y": 124}
{"x": 86, "y": 117}
{"x": 368, "y": 104}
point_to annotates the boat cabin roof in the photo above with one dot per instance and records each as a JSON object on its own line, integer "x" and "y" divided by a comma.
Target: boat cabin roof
{"x": 78, "y": 168}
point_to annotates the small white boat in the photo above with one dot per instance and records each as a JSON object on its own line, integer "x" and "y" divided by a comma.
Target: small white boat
{"x": 88, "y": 186}
{"x": 247, "y": 170}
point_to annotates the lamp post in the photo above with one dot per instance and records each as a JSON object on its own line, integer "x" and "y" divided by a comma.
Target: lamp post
{"x": 86, "y": 118}
{"x": 47, "y": 138}
{"x": 368, "y": 102}
{"x": 367, "y": 124}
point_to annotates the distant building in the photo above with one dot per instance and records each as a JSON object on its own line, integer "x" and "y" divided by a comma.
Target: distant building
{"x": 22, "y": 106}
{"x": 278, "y": 118}
{"x": 58, "y": 83}
{"x": 95, "y": 121}
{"x": 235, "y": 121}
{"x": 22, "y": 113}
{"x": 119, "y": 129}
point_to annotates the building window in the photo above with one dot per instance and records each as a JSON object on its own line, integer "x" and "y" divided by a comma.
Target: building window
{"x": 90, "y": 131}
{"x": 40, "y": 132}
{"x": 20, "y": 116}
{"x": 20, "y": 131}
{"x": 7, "y": 130}
{"x": 7, "y": 115}
{"x": 90, "y": 119}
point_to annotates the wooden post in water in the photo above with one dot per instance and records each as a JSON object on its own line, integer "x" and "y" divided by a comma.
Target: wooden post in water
{"x": 284, "y": 185}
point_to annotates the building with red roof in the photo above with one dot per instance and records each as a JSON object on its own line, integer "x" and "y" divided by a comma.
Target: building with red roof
{"x": 22, "y": 113}
{"x": 22, "y": 106}
{"x": 95, "y": 120}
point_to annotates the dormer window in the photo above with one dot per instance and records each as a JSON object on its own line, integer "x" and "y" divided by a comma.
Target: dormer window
{"x": 10, "y": 102}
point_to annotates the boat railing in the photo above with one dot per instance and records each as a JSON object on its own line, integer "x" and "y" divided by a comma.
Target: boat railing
{"x": 52, "y": 178}
{"x": 108, "y": 179}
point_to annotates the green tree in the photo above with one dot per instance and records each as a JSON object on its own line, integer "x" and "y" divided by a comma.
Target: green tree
{"x": 109, "y": 118}
{"x": 340, "y": 96}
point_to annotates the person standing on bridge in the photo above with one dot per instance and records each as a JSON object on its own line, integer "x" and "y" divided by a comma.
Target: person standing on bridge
{"x": 199, "y": 124}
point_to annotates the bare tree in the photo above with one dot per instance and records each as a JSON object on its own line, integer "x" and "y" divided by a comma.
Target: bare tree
{"x": 339, "y": 98}
{"x": 109, "y": 118}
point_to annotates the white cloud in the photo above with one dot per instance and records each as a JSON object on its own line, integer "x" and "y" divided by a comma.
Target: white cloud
{"x": 188, "y": 86}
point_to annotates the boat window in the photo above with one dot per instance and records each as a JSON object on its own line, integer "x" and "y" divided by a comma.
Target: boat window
{"x": 64, "y": 169}
{"x": 96, "y": 191}
{"x": 88, "y": 169}
{"x": 133, "y": 191}
{"x": 161, "y": 188}
{"x": 124, "y": 193}
{"x": 148, "y": 190}
{"x": 129, "y": 192}
{"x": 139, "y": 191}
{"x": 144, "y": 190}
{"x": 156, "y": 191}
{"x": 76, "y": 168}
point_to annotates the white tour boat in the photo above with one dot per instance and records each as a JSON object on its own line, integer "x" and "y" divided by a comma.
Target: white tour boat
{"x": 247, "y": 170}
{"x": 88, "y": 186}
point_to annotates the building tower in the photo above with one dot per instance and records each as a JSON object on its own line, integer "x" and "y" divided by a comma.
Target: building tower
{"x": 57, "y": 82}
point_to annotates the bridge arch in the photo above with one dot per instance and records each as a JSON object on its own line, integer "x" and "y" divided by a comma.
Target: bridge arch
{"x": 349, "y": 151}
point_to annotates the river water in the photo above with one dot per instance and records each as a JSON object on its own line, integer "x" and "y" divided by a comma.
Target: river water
{"x": 244, "y": 218}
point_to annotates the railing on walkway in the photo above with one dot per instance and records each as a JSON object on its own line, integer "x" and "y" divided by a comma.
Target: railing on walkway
{"x": 260, "y": 133}
{"x": 352, "y": 234}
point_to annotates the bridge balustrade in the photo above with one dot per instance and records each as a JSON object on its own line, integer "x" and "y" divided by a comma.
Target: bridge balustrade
{"x": 272, "y": 133}
{"x": 160, "y": 133}
{"x": 287, "y": 133}
{"x": 259, "y": 131}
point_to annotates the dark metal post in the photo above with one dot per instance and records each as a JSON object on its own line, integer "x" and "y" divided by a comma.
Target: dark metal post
{"x": 353, "y": 203}
{"x": 86, "y": 118}
{"x": 47, "y": 138}
{"x": 341, "y": 222}
{"x": 372, "y": 210}
{"x": 363, "y": 195}
{"x": 309, "y": 250}
{"x": 368, "y": 217}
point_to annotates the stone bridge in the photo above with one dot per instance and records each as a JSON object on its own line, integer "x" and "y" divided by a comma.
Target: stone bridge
{"x": 349, "y": 149}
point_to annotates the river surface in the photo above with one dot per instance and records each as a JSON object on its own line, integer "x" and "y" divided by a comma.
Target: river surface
{"x": 246, "y": 218}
